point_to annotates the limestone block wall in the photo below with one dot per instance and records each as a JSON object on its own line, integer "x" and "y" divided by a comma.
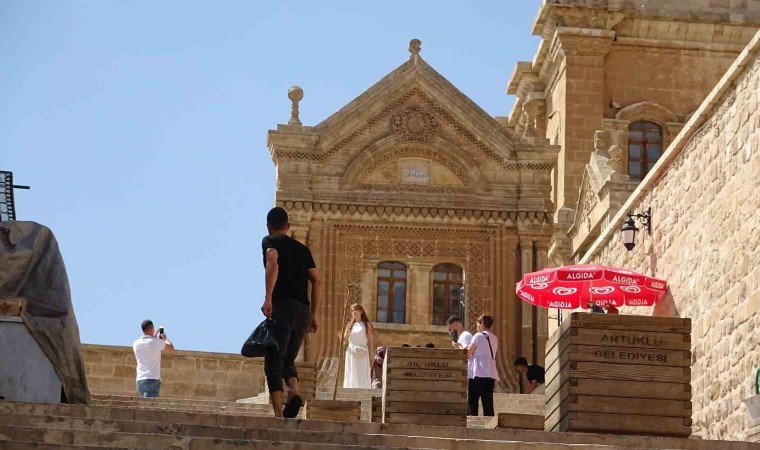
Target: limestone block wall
{"x": 705, "y": 197}
{"x": 184, "y": 374}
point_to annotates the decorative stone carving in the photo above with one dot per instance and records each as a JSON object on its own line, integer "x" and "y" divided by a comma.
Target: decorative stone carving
{"x": 616, "y": 163}
{"x": 415, "y": 125}
{"x": 601, "y": 142}
{"x": 533, "y": 109}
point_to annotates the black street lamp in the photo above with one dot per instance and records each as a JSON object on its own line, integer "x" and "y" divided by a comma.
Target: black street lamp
{"x": 629, "y": 230}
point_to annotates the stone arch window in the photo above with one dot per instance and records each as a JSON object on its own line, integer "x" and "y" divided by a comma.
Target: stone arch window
{"x": 448, "y": 292}
{"x": 644, "y": 148}
{"x": 391, "y": 292}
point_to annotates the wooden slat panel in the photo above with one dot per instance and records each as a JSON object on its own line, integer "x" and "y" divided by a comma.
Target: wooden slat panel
{"x": 553, "y": 419}
{"x": 622, "y": 372}
{"x": 635, "y": 406}
{"x": 427, "y": 397}
{"x": 428, "y": 364}
{"x": 429, "y": 375}
{"x": 315, "y": 415}
{"x": 422, "y": 385}
{"x": 333, "y": 410}
{"x": 626, "y": 322}
{"x": 424, "y": 419}
{"x": 425, "y": 353}
{"x": 626, "y": 424}
{"x": 619, "y": 389}
{"x": 334, "y": 404}
{"x": 426, "y": 408}
{"x": 617, "y": 355}
{"x": 520, "y": 421}
{"x": 638, "y": 339}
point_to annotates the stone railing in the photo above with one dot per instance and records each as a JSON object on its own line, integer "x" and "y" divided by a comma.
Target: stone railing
{"x": 184, "y": 374}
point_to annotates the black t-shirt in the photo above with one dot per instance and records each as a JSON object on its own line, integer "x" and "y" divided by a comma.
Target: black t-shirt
{"x": 537, "y": 373}
{"x": 293, "y": 260}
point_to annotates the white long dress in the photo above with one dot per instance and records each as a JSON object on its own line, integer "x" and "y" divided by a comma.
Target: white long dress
{"x": 356, "y": 371}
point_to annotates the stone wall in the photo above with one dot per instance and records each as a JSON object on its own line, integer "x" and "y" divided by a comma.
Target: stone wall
{"x": 184, "y": 374}
{"x": 705, "y": 197}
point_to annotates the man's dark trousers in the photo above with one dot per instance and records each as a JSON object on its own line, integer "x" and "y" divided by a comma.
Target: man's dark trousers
{"x": 291, "y": 321}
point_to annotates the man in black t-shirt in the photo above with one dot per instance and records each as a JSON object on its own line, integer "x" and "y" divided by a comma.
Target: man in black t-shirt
{"x": 289, "y": 267}
{"x": 535, "y": 375}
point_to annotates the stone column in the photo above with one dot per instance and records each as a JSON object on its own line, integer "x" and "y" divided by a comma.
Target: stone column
{"x": 508, "y": 311}
{"x": 584, "y": 51}
{"x": 419, "y": 301}
{"x": 526, "y": 312}
{"x": 312, "y": 237}
{"x": 369, "y": 286}
{"x": 542, "y": 319}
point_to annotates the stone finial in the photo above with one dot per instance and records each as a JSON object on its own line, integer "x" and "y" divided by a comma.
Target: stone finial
{"x": 415, "y": 45}
{"x": 295, "y": 94}
{"x": 532, "y": 110}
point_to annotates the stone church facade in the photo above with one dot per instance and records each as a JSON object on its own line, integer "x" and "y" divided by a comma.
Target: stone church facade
{"x": 418, "y": 204}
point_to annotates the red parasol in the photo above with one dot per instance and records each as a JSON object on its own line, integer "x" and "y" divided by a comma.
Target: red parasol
{"x": 569, "y": 287}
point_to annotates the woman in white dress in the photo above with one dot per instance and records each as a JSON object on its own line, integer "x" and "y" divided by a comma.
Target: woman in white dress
{"x": 357, "y": 371}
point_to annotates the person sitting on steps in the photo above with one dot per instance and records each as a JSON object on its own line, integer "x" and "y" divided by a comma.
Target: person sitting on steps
{"x": 535, "y": 374}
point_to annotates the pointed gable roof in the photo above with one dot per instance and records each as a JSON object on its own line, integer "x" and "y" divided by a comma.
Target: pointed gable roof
{"x": 415, "y": 77}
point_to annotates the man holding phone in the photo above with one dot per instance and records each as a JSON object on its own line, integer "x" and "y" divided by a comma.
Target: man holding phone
{"x": 148, "y": 348}
{"x": 460, "y": 338}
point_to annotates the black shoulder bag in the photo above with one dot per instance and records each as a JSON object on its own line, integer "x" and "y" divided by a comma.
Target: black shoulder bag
{"x": 261, "y": 341}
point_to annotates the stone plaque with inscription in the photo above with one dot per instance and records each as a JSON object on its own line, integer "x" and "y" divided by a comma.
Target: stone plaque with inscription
{"x": 425, "y": 386}
{"x": 619, "y": 374}
{"x": 414, "y": 171}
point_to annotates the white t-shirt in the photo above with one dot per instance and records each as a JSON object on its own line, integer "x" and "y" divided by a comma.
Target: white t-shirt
{"x": 483, "y": 365}
{"x": 464, "y": 340}
{"x": 148, "y": 354}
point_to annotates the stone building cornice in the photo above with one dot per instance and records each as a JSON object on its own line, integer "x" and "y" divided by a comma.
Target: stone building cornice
{"x": 663, "y": 26}
{"x": 304, "y": 211}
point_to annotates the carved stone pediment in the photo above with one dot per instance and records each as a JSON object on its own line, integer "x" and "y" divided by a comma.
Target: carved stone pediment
{"x": 413, "y": 139}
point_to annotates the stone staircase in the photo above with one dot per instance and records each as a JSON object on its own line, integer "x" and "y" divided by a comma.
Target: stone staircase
{"x": 174, "y": 424}
{"x": 503, "y": 403}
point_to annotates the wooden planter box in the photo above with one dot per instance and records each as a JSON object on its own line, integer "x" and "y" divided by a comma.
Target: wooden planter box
{"x": 425, "y": 386}
{"x": 619, "y": 374}
{"x": 338, "y": 410}
{"x": 520, "y": 421}
{"x": 377, "y": 410}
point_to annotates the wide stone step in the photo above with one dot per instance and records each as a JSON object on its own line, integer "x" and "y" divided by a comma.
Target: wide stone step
{"x": 100, "y": 439}
{"x": 106, "y": 399}
{"x": 17, "y": 445}
{"x": 265, "y": 410}
{"x": 47, "y": 438}
{"x": 409, "y": 435}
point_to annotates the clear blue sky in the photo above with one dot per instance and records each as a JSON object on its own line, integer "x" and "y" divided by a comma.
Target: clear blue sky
{"x": 141, "y": 127}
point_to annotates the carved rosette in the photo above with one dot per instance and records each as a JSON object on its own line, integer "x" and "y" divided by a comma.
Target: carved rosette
{"x": 415, "y": 125}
